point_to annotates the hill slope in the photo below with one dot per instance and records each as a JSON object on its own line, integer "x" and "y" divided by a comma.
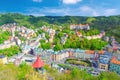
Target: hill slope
{"x": 110, "y": 24}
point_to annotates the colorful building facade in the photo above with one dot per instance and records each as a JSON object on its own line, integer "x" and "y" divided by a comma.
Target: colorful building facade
{"x": 115, "y": 65}
{"x": 104, "y": 60}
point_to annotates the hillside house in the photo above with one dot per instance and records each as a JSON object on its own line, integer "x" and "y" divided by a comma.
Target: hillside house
{"x": 64, "y": 38}
{"x": 27, "y": 33}
{"x": 79, "y": 34}
{"x": 104, "y": 60}
{"x": 3, "y": 59}
{"x": 80, "y": 27}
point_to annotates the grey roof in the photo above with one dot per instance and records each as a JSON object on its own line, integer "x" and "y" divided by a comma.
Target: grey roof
{"x": 2, "y": 56}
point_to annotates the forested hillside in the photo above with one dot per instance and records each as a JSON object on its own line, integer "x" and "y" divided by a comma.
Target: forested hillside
{"x": 110, "y": 24}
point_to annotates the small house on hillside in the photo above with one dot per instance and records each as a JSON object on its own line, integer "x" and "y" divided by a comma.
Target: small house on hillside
{"x": 80, "y": 27}
{"x": 3, "y": 59}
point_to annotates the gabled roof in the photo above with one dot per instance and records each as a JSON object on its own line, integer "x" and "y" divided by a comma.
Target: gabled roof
{"x": 38, "y": 63}
{"x": 105, "y": 58}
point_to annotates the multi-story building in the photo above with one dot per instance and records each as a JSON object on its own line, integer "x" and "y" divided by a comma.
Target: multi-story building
{"x": 25, "y": 48}
{"x": 7, "y": 45}
{"x": 84, "y": 54}
{"x": 80, "y": 26}
{"x": 104, "y": 60}
{"x": 79, "y": 54}
{"x": 58, "y": 56}
{"x": 115, "y": 64}
{"x": 27, "y": 33}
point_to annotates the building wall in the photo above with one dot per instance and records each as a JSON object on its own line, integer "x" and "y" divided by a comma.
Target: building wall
{"x": 3, "y": 60}
{"x": 71, "y": 54}
{"x": 4, "y": 46}
{"x": 83, "y": 55}
{"x": 103, "y": 66}
{"x": 114, "y": 67}
{"x": 60, "y": 56}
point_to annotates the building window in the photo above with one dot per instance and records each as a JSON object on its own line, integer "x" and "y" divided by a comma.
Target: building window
{"x": 102, "y": 66}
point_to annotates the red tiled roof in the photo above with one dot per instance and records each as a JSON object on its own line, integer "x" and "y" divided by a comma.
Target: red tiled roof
{"x": 89, "y": 51}
{"x": 78, "y": 32}
{"x": 115, "y": 61}
{"x": 38, "y": 63}
{"x": 101, "y": 52}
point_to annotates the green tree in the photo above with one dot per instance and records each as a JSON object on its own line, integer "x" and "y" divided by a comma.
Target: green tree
{"x": 10, "y": 51}
{"x": 46, "y": 45}
{"x": 58, "y": 47}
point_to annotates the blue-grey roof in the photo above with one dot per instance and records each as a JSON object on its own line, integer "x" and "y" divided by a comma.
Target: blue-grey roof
{"x": 55, "y": 52}
{"x": 2, "y": 56}
{"x": 105, "y": 58}
{"x": 79, "y": 50}
{"x": 38, "y": 50}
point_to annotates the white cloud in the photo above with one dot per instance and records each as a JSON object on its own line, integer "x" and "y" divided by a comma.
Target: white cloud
{"x": 86, "y": 8}
{"x": 37, "y": 0}
{"x": 49, "y": 11}
{"x": 71, "y": 1}
{"x": 97, "y": 11}
{"x": 79, "y": 11}
{"x": 82, "y": 11}
{"x": 108, "y": 12}
{"x": 89, "y": 11}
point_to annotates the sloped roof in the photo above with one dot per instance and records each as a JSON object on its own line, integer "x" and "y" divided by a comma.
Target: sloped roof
{"x": 115, "y": 61}
{"x": 101, "y": 52}
{"x": 38, "y": 63}
{"x": 89, "y": 51}
{"x": 80, "y": 50}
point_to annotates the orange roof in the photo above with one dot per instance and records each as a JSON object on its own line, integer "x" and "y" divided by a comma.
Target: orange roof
{"x": 78, "y": 32}
{"x": 115, "y": 61}
{"x": 89, "y": 51}
{"x": 101, "y": 52}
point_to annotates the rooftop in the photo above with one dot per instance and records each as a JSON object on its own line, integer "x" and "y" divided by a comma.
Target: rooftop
{"x": 89, "y": 51}
{"x": 114, "y": 60}
{"x": 38, "y": 63}
{"x": 2, "y": 56}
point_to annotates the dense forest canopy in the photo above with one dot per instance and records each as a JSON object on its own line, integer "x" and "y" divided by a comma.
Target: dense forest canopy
{"x": 111, "y": 24}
